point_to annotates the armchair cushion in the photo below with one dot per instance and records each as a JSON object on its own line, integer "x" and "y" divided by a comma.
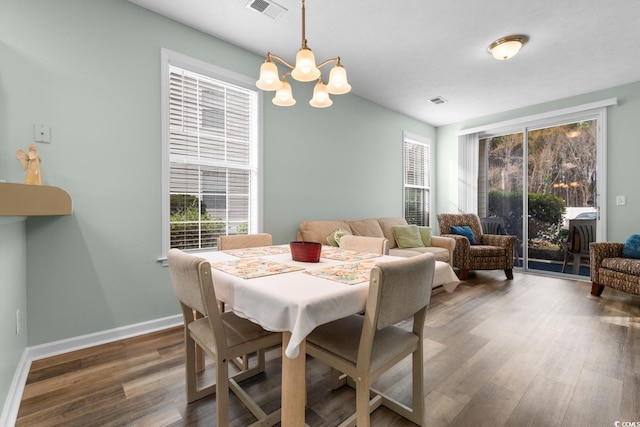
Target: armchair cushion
{"x": 631, "y": 248}
{"x": 464, "y": 230}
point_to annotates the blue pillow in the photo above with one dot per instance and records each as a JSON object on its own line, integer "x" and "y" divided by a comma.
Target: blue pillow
{"x": 631, "y": 248}
{"x": 464, "y": 230}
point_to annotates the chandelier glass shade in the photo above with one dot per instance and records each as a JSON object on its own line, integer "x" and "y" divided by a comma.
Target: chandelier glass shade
{"x": 507, "y": 47}
{"x": 304, "y": 70}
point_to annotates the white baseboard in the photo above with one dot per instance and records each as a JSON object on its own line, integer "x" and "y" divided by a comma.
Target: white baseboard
{"x": 12, "y": 404}
{"x": 84, "y": 341}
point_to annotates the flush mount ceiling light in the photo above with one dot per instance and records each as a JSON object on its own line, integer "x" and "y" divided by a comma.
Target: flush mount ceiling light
{"x": 305, "y": 70}
{"x": 507, "y": 47}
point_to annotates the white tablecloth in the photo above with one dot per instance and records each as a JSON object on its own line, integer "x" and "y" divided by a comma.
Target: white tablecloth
{"x": 296, "y": 301}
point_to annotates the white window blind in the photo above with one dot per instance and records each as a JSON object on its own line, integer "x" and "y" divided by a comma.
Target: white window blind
{"x": 417, "y": 180}
{"x": 213, "y": 159}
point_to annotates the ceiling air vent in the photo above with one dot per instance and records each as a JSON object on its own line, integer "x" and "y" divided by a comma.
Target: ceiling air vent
{"x": 268, "y": 8}
{"x": 438, "y": 100}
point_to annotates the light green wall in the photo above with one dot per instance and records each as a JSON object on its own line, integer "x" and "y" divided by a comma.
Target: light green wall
{"x": 623, "y": 152}
{"x": 90, "y": 69}
{"x": 13, "y": 291}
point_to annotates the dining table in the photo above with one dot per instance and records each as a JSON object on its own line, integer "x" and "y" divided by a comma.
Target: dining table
{"x": 266, "y": 286}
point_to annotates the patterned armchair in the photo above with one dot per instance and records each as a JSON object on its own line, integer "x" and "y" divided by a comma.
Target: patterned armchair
{"x": 610, "y": 268}
{"x": 492, "y": 252}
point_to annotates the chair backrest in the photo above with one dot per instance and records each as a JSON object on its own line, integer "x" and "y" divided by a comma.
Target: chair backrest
{"x": 581, "y": 233}
{"x": 193, "y": 286}
{"x": 493, "y": 225}
{"x": 374, "y": 245}
{"x": 242, "y": 241}
{"x": 399, "y": 289}
{"x": 445, "y": 221}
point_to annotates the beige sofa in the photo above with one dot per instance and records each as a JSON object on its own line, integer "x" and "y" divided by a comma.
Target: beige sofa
{"x": 319, "y": 230}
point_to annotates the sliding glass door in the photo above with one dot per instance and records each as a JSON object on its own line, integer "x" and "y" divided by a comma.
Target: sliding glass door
{"x": 557, "y": 216}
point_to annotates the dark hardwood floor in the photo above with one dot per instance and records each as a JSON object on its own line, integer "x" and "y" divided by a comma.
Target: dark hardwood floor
{"x": 534, "y": 351}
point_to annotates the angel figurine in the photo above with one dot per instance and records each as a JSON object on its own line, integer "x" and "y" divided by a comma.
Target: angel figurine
{"x": 31, "y": 163}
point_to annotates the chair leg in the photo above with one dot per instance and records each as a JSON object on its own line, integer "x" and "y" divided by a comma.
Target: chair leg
{"x": 190, "y": 368}
{"x": 596, "y": 290}
{"x": 362, "y": 403}
{"x": 222, "y": 392}
{"x": 464, "y": 274}
{"x": 509, "y": 273}
{"x": 576, "y": 263}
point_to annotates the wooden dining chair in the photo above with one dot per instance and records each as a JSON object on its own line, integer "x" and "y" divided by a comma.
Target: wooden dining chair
{"x": 224, "y": 336}
{"x": 374, "y": 245}
{"x": 363, "y": 347}
{"x": 243, "y": 241}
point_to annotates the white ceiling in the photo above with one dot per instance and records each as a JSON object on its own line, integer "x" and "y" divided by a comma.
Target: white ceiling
{"x": 401, "y": 53}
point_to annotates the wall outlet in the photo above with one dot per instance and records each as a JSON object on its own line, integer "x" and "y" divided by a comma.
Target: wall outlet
{"x": 42, "y": 133}
{"x": 621, "y": 200}
{"x": 18, "y": 322}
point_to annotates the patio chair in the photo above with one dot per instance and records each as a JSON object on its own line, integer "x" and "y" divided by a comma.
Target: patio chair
{"x": 581, "y": 233}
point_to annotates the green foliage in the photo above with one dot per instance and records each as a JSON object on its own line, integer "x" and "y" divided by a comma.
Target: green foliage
{"x": 185, "y": 204}
{"x": 545, "y": 212}
{"x": 191, "y": 225}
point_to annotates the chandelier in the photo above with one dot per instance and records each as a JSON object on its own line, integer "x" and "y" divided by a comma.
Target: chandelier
{"x": 305, "y": 70}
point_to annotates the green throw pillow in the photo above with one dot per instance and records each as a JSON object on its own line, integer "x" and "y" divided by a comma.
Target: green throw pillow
{"x": 425, "y": 234}
{"x": 407, "y": 236}
{"x": 333, "y": 239}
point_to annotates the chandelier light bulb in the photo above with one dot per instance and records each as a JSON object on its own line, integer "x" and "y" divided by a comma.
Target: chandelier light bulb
{"x": 338, "y": 84}
{"x": 284, "y": 95}
{"x": 320, "y": 96}
{"x": 305, "y": 70}
{"x": 268, "y": 76}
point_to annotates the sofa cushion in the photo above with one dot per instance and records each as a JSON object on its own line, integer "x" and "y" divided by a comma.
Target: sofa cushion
{"x": 631, "y": 248}
{"x": 425, "y": 234}
{"x": 319, "y": 230}
{"x": 441, "y": 254}
{"x": 366, "y": 227}
{"x": 407, "y": 236}
{"x": 387, "y": 228}
{"x": 463, "y": 230}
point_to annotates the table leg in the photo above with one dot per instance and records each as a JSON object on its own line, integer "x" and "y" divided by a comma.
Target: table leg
{"x": 294, "y": 389}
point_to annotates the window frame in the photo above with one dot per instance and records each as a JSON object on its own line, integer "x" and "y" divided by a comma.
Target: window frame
{"x": 408, "y": 137}
{"x": 172, "y": 58}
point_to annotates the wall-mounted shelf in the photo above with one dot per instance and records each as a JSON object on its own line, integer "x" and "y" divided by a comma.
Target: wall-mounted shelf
{"x": 33, "y": 200}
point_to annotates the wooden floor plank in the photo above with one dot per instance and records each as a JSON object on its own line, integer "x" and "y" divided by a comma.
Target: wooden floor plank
{"x": 535, "y": 351}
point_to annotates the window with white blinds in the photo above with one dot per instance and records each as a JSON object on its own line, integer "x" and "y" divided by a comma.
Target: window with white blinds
{"x": 212, "y": 132}
{"x": 417, "y": 179}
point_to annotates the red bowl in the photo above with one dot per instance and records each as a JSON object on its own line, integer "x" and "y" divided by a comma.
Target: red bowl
{"x": 305, "y": 251}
